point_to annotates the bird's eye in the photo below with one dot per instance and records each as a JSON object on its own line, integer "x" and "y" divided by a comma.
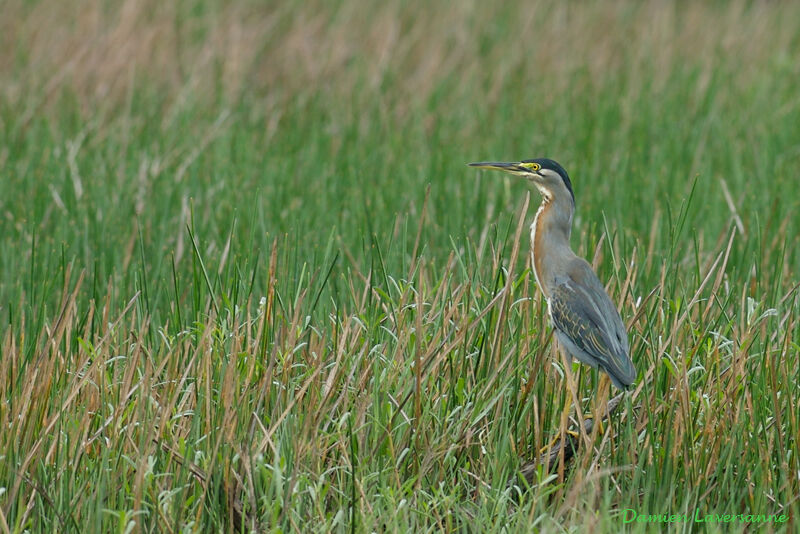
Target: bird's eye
{"x": 531, "y": 166}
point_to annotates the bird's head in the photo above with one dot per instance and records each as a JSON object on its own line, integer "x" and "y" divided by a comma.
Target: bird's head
{"x": 548, "y": 176}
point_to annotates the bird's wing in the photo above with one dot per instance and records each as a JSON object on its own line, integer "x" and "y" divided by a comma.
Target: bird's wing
{"x": 582, "y": 310}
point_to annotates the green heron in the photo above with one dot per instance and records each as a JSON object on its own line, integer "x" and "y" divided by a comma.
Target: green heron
{"x": 586, "y": 322}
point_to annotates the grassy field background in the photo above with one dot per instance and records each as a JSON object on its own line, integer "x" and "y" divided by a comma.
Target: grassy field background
{"x": 247, "y": 279}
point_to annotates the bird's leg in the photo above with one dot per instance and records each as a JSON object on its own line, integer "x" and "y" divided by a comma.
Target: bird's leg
{"x": 601, "y": 402}
{"x": 560, "y": 438}
{"x": 563, "y": 429}
{"x": 563, "y": 426}
{"x": 573, "y": 391}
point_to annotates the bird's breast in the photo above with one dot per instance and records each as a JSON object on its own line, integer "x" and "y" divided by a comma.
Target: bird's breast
{"x": 537, "y": 249}
{"x": 550, "y": 250}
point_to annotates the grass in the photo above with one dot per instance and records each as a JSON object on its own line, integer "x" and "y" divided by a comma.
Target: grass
{"x": 248, "y": 281}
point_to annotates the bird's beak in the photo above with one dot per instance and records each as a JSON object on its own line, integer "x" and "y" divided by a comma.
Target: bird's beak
{"x": 513, "y": 168}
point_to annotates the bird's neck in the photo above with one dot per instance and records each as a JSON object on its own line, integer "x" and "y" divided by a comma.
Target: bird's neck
{"x": 550, "y": 246}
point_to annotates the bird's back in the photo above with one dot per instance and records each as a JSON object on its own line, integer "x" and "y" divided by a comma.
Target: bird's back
{"x": 582, "y": 311}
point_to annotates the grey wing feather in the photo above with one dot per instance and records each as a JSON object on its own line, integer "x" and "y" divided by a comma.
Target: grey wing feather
{"x": 583, "y": 312}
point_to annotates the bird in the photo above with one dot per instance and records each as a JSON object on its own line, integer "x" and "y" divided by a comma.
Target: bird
{"x": 585, "y": 320}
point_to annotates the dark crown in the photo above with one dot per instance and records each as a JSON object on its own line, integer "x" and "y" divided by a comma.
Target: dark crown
{"x": 552, "y": 165}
